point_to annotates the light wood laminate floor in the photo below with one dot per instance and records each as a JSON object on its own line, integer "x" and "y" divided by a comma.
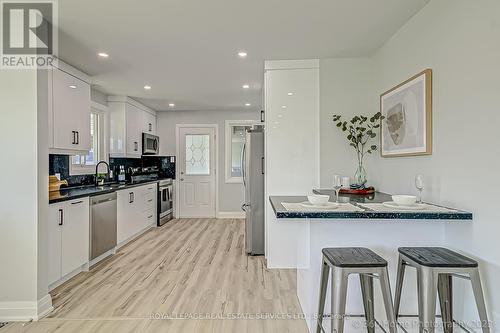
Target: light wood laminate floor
{"x": 191, "y": 275}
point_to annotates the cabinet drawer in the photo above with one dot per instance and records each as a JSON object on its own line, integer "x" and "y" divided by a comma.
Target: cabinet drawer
{"x": 150, "y": 217}
{"x": 149, "y": 201}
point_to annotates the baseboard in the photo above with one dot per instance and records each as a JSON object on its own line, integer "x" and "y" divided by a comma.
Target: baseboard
{"x": 44, "y": 306}
{"x": 231, "y": 215}
{"x": 25, "y": 311}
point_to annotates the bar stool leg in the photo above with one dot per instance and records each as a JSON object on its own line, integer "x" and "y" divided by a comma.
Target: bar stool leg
{"x": 386, "y": 294}
{"x": 367, "y": 292}
{"x": 339, "y": 295}
{"x": 399, "y": 285}
{"x": 478, "y": 295}
{"x": 427, "y": 292}
{"x": 445, "y": 292}
{"x": 325, "y": 270}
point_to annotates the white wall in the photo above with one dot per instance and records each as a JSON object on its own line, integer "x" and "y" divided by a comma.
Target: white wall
{"x": 346, "y": 88}
{"x": 459, "y": 40}
{"x": 231, "y": 196}
{"x": 19, "y": 209}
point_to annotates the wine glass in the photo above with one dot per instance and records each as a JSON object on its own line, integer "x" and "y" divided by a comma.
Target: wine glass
{"x": 337, "y": 185}
{"x": 419, "y": 184}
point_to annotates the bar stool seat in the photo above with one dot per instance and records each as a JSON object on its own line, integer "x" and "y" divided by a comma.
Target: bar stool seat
{"x": 436, "y": 266}
{"x": 436, "y": 257}
{"x": 369, "y": 266}
{"x": 353, "y": 257}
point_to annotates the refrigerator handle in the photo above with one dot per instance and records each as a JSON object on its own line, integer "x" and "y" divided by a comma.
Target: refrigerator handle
{"x": 262, "y": 164}
{"x": 243, "y": 162}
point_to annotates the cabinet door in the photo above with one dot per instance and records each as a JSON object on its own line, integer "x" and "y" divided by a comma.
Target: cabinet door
{"x": 134, "y": 130}
{"x": 125, "y": 215}
{"x": 75, "y": 235}
{"x": 149, "y": 123}
{"x": 56, "y": 217}
{"x": 70, "y": 111}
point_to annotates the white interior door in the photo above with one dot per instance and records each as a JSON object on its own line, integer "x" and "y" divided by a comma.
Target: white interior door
{"x": 197, "y": 171}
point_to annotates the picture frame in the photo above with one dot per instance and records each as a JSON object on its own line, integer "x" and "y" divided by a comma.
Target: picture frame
{"x": 406, "y": 126}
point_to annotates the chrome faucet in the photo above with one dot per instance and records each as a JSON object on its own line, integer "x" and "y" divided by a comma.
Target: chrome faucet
{"x": 97, "y": 180}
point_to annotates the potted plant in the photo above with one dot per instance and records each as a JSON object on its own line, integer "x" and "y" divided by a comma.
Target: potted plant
{"x": 360, "y": 130}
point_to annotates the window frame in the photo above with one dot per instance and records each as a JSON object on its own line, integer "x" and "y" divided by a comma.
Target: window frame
{"x": 80, "y": 169}
{"x": 228, "y": 149}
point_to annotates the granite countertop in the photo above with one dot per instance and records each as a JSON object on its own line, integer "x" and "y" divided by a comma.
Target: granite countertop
{"x": 366, "y": 213}
{"x": 71, "y": 193}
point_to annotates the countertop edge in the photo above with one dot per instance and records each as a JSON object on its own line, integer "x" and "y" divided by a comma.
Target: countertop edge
{"x": 99, "y": 192}
{"x": 371, "y": 215}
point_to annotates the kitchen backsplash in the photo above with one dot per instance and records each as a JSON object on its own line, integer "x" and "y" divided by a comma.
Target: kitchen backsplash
{"x": 60, "y": 164}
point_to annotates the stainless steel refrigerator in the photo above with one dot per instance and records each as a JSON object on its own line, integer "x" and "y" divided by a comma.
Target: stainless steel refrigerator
{"x": 253, "y": 180}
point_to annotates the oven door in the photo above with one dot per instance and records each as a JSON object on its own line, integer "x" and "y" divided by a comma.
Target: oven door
{"x": 150, "y": 144}
{"x": 165, "y": 204}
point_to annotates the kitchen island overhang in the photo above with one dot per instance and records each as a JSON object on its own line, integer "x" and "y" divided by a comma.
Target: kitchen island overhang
{"x": 366, "y": 213}
{"x": 297, "y": 239}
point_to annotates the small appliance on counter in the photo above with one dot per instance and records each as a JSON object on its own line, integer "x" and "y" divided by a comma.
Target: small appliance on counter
{"x": 142, "y": 174}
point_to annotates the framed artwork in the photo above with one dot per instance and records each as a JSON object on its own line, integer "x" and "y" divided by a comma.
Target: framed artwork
{"x": 407, "y": 125}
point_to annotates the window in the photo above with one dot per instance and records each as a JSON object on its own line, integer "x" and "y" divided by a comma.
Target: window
{"x": 235, "y": 141}
{"x": 85, "y": 164}
{"x": 197, "y": 154}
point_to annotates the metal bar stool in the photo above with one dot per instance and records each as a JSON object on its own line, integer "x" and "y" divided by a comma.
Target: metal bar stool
{"x": 435, "y": 268}
{"x": 353, "y": 260}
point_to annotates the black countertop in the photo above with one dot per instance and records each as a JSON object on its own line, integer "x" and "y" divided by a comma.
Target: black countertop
{"x": 377, "y": 197}
{"x": 71, "y": 193}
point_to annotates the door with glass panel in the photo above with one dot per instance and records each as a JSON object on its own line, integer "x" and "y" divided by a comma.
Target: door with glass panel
{"x": 197, "y": 172}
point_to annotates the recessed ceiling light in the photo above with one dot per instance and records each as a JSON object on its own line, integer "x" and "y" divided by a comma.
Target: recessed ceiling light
{"x": 283, "y": 106}
{"x": 280, "y": 116}
{"x": 246, "y": 86}
{"x": 147, "y": 87}
{"x": 242, "y": 54}
{"x": 290, "y": 94}
{"x": 103, "y": 55}
{"x": 171, "y": 105}
{"x": 276, "y": 123}
{"x": 247, "y": 104}
{"x": 72, "y": 86}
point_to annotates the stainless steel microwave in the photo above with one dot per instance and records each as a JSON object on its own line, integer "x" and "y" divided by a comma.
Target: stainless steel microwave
{"x": 150, "y": 144}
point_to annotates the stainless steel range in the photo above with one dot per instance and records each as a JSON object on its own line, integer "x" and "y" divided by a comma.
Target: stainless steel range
{"x": 165, "y": 201}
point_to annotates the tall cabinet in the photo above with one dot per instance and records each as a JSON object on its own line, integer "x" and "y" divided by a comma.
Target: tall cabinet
{"x": 128, "y": 120}
{"x": 291, "y": 147}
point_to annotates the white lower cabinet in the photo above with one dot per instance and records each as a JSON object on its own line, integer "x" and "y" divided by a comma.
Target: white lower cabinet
{"x": 136, "y": 211}
{"x": 68, "y": 237}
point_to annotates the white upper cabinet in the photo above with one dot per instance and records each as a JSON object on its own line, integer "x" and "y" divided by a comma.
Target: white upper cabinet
{"x": 149, "y": 122}
{"x": 69, "y": 110}
{"x": 128, "y": 120}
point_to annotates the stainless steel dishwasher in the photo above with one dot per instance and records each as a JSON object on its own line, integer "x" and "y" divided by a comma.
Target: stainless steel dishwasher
{"x": 102, "y": 224}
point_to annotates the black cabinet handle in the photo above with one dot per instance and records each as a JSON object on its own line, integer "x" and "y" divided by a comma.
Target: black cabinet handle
{"x": 136, "y": 146}
{"x": 74, "y": 138}
{"x": 130, "y": 197}
{"x": 77, "y": 137}
{"x": 150, "y": 127}
{"x": 262, "y": 165}
{"x": 76, "y": 203}
{"x": 61, "y": 217}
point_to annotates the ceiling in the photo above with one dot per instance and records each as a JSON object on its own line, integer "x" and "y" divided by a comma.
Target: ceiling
{"x": 186, "y": 50}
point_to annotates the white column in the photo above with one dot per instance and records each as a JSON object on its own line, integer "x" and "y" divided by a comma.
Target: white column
{"x": 292, "y": 148}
